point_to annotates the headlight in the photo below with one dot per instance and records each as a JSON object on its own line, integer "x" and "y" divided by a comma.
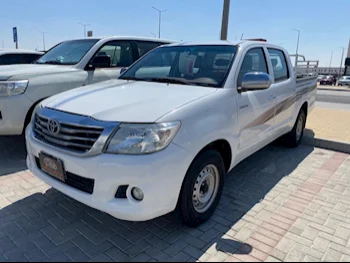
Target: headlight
{"x": 10, "y": 88}
{"x": 142, "y": 138}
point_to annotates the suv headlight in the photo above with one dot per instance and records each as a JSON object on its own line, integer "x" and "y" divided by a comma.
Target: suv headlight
{"x": 142, "y": 138}
{"x": 10, "y": 88}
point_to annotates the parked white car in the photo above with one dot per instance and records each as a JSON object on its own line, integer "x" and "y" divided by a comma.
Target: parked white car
{"x": 68, "y": 65}
{"x": 18, "y": 56}
{"x": 344, "y": 81}
{"x": 163, "y": 136}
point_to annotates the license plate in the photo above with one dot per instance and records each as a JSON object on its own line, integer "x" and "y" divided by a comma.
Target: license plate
{"x": 52, "y": 166}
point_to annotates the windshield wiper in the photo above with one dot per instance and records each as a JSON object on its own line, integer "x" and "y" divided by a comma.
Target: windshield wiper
{"x": 131, "y": 78}
{"x": 170, "y": 80}
{"x": 162, "y": 80}
{"x": 51, "y": 62}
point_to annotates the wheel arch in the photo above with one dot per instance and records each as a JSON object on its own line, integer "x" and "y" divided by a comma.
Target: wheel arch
{"x": 29, "y": 114}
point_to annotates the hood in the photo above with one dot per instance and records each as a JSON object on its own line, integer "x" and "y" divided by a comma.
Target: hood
{"x": 18, "y": 71}
{"x": 123, "y": 101}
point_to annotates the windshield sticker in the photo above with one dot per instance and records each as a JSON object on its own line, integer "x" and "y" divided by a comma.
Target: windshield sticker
{"x": 186, "y": 64}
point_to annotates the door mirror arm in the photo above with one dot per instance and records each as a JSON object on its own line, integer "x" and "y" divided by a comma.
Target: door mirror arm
{"x": 90, "y": 67}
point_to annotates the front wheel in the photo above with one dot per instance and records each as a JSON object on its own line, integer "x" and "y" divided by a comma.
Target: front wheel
{"x": 295, "y": 137}
{"x": 202, "y": 188}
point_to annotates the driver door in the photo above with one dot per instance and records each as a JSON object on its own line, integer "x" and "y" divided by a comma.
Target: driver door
{"x": 117, "y": 55}
{"x": 256, "y": 108}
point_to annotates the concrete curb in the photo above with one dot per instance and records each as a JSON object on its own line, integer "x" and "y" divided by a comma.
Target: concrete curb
{"x": 338, "y": 146}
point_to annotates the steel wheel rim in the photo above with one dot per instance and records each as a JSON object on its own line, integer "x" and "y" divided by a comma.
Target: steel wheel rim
{"x": 206, "y": 188}
{"x": 300, "y": 127}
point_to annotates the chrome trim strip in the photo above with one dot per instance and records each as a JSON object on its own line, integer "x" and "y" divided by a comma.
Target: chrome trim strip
{"x": 65, "y": 137}
{"x": 72, "y": 120}
{"x": 59, "y": 142}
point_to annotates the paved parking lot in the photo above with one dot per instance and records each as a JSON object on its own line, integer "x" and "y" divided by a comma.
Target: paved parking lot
{"x": 279, "y": 205}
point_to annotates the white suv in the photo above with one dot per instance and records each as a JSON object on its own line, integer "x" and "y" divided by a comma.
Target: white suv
{"x": 70, "y": 64}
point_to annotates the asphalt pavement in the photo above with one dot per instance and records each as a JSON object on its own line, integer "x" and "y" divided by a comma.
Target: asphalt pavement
{"x": 333, "y": 99}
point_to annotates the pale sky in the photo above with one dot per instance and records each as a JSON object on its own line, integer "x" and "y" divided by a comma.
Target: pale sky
{"x": 324, "y": 25}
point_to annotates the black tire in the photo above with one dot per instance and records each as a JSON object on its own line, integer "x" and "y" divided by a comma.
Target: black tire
{"x": 293, "y": 139}
{"x": 185, "y": 208}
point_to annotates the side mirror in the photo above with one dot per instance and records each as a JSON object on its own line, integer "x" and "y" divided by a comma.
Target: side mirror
{"x": 101, "y": 62}
{"x": 123, "y": 70}
{"x": 256, "y": 81}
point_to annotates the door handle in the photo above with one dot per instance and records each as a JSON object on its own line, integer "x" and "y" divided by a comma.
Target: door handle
{"x": 272, "y": 97}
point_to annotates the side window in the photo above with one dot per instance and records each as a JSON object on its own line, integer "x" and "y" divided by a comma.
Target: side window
{"x": 157, "y": 64}
{"x": 254, "y": 61}
{"x": 28, "y": 58}
{"x": 279, "y": 64}
{"x": 118, "y": 53}
{"x": 144, "y": 47}
{"x": 10, "y": 59}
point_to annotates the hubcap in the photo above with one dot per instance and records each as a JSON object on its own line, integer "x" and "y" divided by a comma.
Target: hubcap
{"x": 206, "y": 188}
{"x": 300, "y": 127}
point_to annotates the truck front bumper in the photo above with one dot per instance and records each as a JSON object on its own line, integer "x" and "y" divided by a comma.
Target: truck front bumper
{"x": 13, "y": 112}
{"x": 159, "y": 176}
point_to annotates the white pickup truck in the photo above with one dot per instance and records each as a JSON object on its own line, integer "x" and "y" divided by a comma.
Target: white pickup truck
{"x": 68, "y": 65}
{"x": 163, "y": 136}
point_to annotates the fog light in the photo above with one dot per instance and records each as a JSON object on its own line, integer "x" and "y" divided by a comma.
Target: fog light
{"x": 137, "y": 194}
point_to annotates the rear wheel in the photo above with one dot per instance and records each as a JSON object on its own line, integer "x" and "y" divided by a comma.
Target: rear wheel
{"x": 202, "y": 189}
{"x": 295, "y": 137}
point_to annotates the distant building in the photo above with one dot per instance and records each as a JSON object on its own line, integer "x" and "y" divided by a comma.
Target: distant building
{"x": 330, "y": 71}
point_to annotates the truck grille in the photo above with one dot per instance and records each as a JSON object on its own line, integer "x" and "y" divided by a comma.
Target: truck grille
{"x": 73, "y": 137}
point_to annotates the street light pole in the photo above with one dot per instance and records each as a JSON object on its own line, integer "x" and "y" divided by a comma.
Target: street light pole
{"x": 84, "y": 25}
{"x": 297, "y": 52}
{"x": 341, "y": 61}
{"x": 330, "y": 64}
{"x": 160, "y": 18}
{"x": 225, "y": 19}
{"x": 44, "y": 39}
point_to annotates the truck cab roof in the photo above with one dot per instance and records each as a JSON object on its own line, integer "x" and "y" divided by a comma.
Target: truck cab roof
{"x": 111, "y": 38}
{"x": 242, "y": 43}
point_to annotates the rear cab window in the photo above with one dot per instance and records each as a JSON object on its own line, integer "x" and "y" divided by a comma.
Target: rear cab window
{"x": 279, "y": 64}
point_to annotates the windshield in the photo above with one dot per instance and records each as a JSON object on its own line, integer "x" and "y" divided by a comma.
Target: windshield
{"x": 67, "y": 53}
{"x": 189, "y": 65}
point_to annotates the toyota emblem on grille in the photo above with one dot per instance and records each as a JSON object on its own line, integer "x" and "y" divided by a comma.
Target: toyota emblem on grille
{"x": 53, "y": 126}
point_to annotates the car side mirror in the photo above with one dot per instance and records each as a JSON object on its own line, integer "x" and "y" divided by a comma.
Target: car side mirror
{"x": 123, "y": 70}
{"x": 255, "y": 81}
{"x": 100, "y": 62}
